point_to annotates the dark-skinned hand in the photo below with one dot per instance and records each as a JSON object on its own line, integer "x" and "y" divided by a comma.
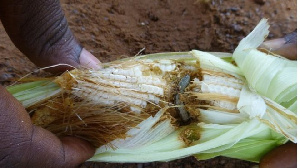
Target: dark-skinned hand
{"x": 25, "y": 145}
{"x": 39, "y": 29}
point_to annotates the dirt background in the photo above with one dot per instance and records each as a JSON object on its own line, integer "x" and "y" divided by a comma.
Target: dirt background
{"x": 112, "y": 29}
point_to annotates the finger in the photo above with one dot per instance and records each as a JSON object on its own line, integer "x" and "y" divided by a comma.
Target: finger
{"x": 286, "y": 46}
{"x": 77, "y": 150}
{"x": 47, "y": 150}
{"x": 282, "y": 156}
{"x": 87, "y": 60}
{"x": 287, "y": 50}
{"x": 40, "y": 30}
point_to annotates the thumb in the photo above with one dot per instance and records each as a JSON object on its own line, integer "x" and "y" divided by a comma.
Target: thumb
{"x": 49, "y": 151}
{"x": 25, "y": 145}
{"x": 77, "y": 150}
{"x": 86, "y": 60}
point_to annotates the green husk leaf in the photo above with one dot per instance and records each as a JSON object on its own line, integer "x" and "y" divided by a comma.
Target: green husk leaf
{"x": 251, "y": 148}
{"x": 34, "y": 92}
{"x": 252, "y": 41}
{"x": 212, "y": 136}
{"x": 246, "y": 149}
{"x": 13, "y": 89}
{"x": 209, "y": 61}
{"x": 270, "y": 76}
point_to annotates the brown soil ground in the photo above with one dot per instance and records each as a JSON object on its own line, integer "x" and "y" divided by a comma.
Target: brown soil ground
{"x": 113, "y": 29}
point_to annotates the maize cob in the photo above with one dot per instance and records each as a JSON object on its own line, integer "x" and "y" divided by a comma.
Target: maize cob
{"x": 195, "y": 102}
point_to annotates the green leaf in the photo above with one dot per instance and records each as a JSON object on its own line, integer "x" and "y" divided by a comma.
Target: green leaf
{"x": 246, "y": 149}
{"x": 33, "y": 92}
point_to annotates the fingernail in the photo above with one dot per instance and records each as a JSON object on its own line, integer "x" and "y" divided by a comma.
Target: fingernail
{"x": 273, "y": 44}
{"x": 88, "y": 60}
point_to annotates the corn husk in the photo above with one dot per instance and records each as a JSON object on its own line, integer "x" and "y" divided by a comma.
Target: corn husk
{"x": 166, "y": 106}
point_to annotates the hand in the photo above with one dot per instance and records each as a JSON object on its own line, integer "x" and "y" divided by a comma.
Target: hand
{"x": 40, "y": 30}
{"x": 284, "y": 155}
{"x": 25, "y": 145}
